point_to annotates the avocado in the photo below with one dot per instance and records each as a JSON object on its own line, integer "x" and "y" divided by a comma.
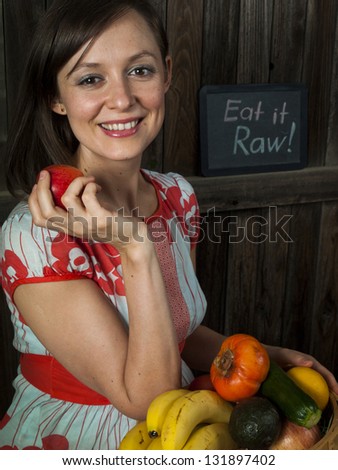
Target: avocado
{"x": 255, "y": 423}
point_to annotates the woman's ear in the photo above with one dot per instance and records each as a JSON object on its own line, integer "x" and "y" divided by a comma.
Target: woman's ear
{"x": 168, "y": 72}
{"x": 58, "y": 107}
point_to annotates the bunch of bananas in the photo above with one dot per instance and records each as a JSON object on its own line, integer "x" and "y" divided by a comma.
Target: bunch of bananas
{"x": 183, "y": 419}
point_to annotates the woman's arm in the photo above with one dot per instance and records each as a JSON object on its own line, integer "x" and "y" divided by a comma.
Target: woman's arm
{"x": 201, "y": 347}
{"x": 78, "y": 324}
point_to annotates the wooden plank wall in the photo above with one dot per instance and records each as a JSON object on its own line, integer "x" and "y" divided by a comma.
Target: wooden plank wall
{"x": 278, "y": 282}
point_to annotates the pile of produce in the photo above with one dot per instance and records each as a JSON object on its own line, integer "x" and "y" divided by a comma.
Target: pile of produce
{"x": 246, "y": 402}
{"x": 183, "y": 419}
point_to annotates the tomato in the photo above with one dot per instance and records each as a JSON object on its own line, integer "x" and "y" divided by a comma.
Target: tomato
{"x": 201, "y": 382}
{"x": 61, "y": 177}
{"x": 239, "y": 368}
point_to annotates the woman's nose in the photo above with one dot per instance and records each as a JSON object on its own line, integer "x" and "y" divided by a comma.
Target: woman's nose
{"x": 119, "y": 95}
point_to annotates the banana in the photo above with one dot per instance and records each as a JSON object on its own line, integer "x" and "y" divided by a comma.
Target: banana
{"x": 156, "y": 444}
{"x": 158, "y": 409}
{"x": 137, "y": 438}
{"x": 193, "y": 408}
{"x": 213, "y": 436}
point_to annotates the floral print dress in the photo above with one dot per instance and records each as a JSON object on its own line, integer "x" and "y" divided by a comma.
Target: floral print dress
{"x": 61, "y": 418}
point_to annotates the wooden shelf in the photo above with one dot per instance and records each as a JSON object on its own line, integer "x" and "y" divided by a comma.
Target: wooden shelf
{"x": 224, "y": 193}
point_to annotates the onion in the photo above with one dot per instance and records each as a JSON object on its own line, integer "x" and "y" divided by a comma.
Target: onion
{"x": 294, "y": 437}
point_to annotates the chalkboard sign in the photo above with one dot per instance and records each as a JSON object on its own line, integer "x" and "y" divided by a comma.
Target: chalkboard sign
{"x": 253, "y": 128}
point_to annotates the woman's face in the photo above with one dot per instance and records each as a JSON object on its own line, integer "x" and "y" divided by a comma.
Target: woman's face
{"x": 113, "y": 96}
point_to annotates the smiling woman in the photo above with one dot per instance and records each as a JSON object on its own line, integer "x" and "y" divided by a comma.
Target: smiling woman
{"x": 91, "y": 300}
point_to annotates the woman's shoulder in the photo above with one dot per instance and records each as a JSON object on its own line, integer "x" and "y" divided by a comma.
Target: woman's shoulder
{"x": 19, "y": 232}
{"x": 176, "y": 195}
{"x": 168, "y": 181}
{"x": 19, "y": 214}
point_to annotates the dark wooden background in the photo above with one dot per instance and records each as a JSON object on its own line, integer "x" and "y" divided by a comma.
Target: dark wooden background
{"x": 283, "y": 291}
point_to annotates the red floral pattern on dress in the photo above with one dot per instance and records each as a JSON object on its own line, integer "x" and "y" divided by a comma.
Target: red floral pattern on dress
{"x": 52, "y": 442}
{"x": 69, "y": 256}
{"x": 55, "y": 442}
{"x": 14, "y": 268}
{"x": 187, "y": 213}
{"x": 108, "y": 270}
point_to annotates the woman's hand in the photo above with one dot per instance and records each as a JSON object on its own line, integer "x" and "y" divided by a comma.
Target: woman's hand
{"x": 204, "y": 343}
{"x": 287, "y": 358}
{"x": 85, "y": 217}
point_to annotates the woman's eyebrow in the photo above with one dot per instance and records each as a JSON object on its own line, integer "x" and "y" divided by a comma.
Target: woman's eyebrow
{"x": 142, "y": 54}
{"x": 82, "y": 65}
{"x": 89, "y": 65}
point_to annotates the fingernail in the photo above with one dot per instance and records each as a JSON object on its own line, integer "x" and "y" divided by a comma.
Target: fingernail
{"x": 42, "y": 174}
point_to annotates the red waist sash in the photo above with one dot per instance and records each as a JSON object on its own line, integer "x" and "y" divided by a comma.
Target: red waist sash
{"x": 48, "y": 375}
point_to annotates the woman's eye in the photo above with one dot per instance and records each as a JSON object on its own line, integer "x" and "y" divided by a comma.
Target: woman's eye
{"x": 90, "y": 80}
{"x": 142, "y": 71}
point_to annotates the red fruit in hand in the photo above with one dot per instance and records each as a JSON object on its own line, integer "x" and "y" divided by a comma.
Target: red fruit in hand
{"x": 60, "y": 178}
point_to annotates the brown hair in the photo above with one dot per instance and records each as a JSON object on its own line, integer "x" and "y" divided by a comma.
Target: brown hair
{"x": 38, "y": 137}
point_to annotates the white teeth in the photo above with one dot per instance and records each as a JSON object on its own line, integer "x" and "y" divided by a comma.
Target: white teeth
{"x": 120, "y": 126}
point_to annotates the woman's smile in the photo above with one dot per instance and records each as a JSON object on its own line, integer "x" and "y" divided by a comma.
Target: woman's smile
{"x": 118, "y": 129}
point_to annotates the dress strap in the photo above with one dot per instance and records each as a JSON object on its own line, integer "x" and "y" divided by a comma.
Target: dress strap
{"x": 48, "y": 375}
{"x": 177, "y": 304}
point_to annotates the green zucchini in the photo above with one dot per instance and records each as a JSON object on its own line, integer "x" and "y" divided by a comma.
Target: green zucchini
{"x": 297, "y": 406}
